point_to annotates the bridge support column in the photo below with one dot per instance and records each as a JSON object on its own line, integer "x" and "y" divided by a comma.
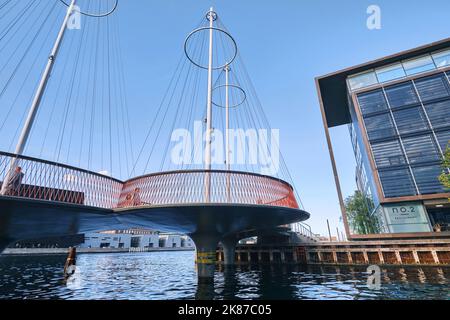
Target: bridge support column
{"x": 206, "y": 247}
{"x": 4, "y": 243}
{"x": 229, "y": 251}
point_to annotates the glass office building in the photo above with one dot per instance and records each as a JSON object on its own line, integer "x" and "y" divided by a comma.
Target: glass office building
{"x": 398, "y": 113}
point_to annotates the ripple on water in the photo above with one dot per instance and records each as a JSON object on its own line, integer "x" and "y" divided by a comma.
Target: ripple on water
{"x": 172, "y": 275}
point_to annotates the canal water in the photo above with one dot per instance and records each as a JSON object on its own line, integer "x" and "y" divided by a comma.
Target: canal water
{"x": 172, "y": 275}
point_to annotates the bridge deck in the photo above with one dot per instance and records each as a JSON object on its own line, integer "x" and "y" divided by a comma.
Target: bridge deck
{"x": 55, "y": 199}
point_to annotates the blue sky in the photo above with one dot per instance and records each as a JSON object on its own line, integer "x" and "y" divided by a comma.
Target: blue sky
{"x": 285, "y": 45}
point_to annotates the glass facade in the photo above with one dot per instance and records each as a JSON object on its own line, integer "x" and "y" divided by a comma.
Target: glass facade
{"x": 408, "y": 126}
{"x": 402, "y": 69}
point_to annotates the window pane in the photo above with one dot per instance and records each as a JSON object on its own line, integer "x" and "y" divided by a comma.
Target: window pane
{"x": 418, "y": 65}
{"x": 410, "y": 120}
{"x": 380, "y": 126}
{"x": 401, "y": 95}
{"x": 439, "y": 113}
{"x": 397, "y": 183}
{"x": 362, "y": 80}
{"x": 434, "y": 87}
{"x": 444, "y": 139}
{"x": 390, "y": 73}
{"x": 421, "y": 149}
{"x": 442, "y": 59}
{"x": 427, "y": 179}
{"x": 372, "y": 102}
{"x": 388, "y": 154}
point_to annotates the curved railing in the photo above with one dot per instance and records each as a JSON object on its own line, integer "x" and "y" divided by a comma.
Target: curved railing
{"x": 51, "y": 181}
{"x": 46, "y": 180}
{"x": 191, "y": 187}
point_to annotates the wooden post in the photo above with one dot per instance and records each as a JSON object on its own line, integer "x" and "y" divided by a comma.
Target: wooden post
{"x": 71, "y": 261}
{"x": 416, "y": 257}
{"x": 435, "y": 257}
{"x": 329, "y": 231}
{"x": 399, "y": 257}
{"x": 366, "y": 257}
{"x": 380, "y": 254}
{"x": 350, "y": 259}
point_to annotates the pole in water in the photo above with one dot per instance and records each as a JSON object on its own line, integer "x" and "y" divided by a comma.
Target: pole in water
{"x": 69, "y": 267}
{"x": 38, "y": 96}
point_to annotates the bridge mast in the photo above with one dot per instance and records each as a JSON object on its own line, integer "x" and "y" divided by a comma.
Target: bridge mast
{"x": 211, "y": 16}
{"x": 227, "y": 117}
{"x": 38, "y": 95}
{"x": 227, "y": 129}
{"x": 43, "y": 84}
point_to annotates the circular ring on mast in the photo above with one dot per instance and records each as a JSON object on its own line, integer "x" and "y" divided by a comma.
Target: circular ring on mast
{"x": 244, "y": 96}
{"x": 95, "y": 15}
{"x": 216, "y": 29}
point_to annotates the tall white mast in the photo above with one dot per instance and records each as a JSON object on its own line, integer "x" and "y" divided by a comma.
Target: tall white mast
{"x": 227, "y": 129}
{"x": 38, "y": 95}
{"x": 211, "y": 16}
{"x": 43, "y": 84}
{"x": 210, "y": 84}
{"x": 227, "y": 117}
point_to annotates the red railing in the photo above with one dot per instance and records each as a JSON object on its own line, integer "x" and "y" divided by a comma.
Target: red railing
{"x": 46, "y": 180}
{"x": 185, "y": 187}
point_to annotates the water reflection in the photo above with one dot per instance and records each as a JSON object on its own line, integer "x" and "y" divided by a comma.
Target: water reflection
{"x": 171, "y": 275}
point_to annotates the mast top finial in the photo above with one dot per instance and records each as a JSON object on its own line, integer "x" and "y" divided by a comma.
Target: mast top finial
{"x": 211, "y": 14}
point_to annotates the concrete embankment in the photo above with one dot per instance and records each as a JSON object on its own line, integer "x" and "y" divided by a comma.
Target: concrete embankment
{"x": 64, "y": 251}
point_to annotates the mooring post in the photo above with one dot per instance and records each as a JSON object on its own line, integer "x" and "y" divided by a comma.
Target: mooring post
{"x": 71, "y": 261}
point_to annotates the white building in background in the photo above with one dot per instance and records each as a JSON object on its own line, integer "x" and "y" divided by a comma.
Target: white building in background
{"x": 102, "y": 240}
{"x": 139, "y": 239}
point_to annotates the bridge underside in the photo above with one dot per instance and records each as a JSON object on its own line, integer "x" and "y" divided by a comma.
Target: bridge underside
{"x": 22, "y": 219}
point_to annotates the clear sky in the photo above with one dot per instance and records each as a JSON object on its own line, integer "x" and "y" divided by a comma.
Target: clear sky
{"x": 285, "y": 45}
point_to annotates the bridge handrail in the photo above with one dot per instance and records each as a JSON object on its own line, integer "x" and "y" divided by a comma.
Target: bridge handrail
{"x": 209, "y": 171}
{"x": 52, "y": 181}
{"x": 188, "y": 186}
{"x": 57, "y": 164}
{"x": 303, "y": 229}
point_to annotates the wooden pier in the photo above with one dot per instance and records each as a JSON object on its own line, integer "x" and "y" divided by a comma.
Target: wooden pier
{"x": 433, "y": 252}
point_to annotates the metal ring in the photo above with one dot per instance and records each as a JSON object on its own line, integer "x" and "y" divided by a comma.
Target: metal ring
{"x": 232, "y": 86}
{"x": 95, "y": 15}
{"x": 217, "y": 29}
{"x": 212, "y": 14}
